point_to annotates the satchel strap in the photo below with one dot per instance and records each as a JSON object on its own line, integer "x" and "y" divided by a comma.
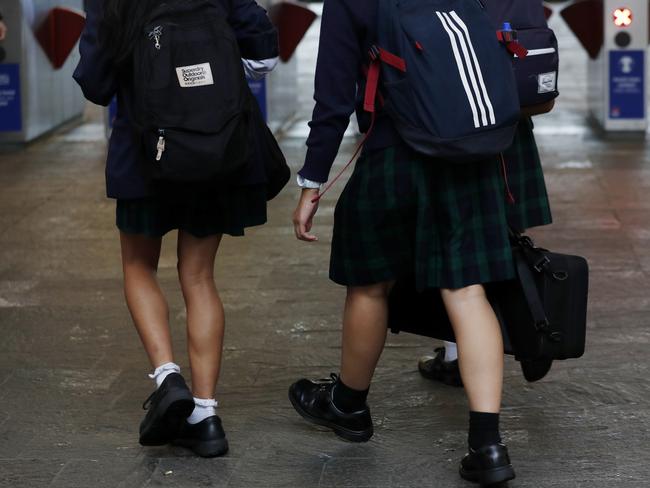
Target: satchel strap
{"x": 532, "y": 295}
{"x": 530, "y": 257}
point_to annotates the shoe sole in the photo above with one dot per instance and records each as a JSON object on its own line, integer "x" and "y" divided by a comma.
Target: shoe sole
{"x": 343, "y": 433}
{"x": 206, "y": 449}
{"x": 489, "y": 476}
{"x": 165, "y": 428}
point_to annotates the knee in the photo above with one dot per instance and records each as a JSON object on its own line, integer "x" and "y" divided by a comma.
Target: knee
{"x": 191, "y": 274}
{"x": 135, "y": 270}
{"x": 379, "y": 291}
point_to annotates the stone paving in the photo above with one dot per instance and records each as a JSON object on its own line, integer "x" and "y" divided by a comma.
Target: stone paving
{"x": 73, "y": 374}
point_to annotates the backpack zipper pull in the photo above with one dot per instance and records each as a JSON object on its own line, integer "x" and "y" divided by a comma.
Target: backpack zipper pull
{"x": 161, "y": 145}
{"x": 155, "y": 36}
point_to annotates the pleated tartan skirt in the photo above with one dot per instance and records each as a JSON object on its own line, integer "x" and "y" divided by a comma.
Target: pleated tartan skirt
{"x": 526, "y": 181}
{"x": 201, "y": 212}
{"x": 403, "y": 214}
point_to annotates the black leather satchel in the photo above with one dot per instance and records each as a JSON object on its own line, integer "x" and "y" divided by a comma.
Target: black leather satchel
{"x": 423, "y": 313}
{"x": 545, "y": 308}
{"x": 542, "y": 312}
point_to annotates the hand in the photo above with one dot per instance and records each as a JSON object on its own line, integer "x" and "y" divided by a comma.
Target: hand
{"x": 3, "y": 30}
{"x": 304, "y": 215}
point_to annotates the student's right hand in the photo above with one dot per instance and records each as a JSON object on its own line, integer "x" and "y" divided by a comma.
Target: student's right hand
{"x": 304, "y": 215}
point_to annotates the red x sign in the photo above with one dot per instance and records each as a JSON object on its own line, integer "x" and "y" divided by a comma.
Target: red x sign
{"x": 622, "y": 17}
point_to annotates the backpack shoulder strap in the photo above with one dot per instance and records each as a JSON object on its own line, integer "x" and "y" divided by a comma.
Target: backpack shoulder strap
{"x": 377, "y": 57}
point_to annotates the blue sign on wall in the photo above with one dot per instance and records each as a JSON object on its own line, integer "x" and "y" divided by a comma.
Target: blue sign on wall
{"x": 627, "y": 84}
{"x": 11, "y": 119}
{"x": 259, "y": 92}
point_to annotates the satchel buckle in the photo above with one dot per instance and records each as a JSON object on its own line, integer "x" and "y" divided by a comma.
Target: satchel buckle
{"x": 526, "y": 241}
{"x": 555, "y": 336}
{"x": 374, "y": 52}
{"x": 542, "y": 263}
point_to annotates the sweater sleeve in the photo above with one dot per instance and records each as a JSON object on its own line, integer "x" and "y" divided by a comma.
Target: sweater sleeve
{"x": 257, "y": 37}
{"x": 337, "y": 69}
{"x": 95, "y": 72}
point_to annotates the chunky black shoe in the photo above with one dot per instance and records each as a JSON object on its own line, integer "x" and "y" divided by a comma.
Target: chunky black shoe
{"x": 207, "y": 438}
{"x": 437, "y": 369}
{"x": 313, "y": 400}
{"x": 488, "y": 465}
{"x": 536, "y": 370}
{"x": 167, "y": 408}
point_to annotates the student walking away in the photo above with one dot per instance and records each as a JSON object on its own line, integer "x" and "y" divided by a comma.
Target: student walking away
{"x": 537, "y": 86}
{"x": 531, "y": 208}
{"x": 177, "y": 159}
{"x": 403, "y": 212}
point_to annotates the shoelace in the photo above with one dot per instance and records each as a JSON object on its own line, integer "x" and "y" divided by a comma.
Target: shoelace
{"x": 147, "y": 402}
{"x": 325, "y": 383}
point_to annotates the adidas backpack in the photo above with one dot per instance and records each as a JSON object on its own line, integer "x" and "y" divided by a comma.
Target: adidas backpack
{"x": 191, "y": 99}
{"x": 448, "y": 83}
{"x": 534, "y": 47}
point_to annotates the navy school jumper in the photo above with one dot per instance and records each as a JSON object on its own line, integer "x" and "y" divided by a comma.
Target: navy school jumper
{"x": 348, "y": 31}
{"x": 100, "y": 82}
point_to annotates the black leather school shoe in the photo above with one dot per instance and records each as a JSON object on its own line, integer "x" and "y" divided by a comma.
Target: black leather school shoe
{"x": 437, "y": 369}
{"x": 488, "y": 465}
{"x": 167, "y": 408}
{"x": 207, "y": 438}
{"x": 313, "y": 401}
{"x": 536, "y": 370}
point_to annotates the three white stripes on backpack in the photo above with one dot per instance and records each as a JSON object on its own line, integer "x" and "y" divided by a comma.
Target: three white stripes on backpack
{"x": 469, "y": 69}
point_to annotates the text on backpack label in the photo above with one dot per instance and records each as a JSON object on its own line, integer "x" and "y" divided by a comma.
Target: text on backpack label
{"x": 196, "y": 75}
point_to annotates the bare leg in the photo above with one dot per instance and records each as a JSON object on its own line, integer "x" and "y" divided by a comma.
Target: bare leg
{"x": 144, "y": 297}
{"x": 480, "y": 346}
{"x": 365, "y": 325}
{"x": 205, "y": 315}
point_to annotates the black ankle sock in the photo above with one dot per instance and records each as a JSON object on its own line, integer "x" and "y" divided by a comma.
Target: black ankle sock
{"x": 483, "y": 429}
{"x": 347, "y": 399}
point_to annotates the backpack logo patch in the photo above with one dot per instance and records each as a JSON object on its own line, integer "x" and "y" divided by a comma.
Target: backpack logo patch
{"x": 547, "y": 82}
{"x": 196, "y": 75}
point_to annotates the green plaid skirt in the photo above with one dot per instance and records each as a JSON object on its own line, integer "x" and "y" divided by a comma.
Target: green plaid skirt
{"x": 227, "y": 210}
{"x": 526, "y": 181}
{"x": 403, "y": 214}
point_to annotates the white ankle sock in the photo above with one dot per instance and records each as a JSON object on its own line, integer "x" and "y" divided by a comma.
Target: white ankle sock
{"x": 203, "y": 408}
{"x": 163, "y": 371}
{"x": 451, "y": 352}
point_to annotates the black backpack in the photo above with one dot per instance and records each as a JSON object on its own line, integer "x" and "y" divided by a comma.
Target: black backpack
{"x": 534, "y": 47}
{"x": 265, "y": 147}
{"x": 192, "y": 102}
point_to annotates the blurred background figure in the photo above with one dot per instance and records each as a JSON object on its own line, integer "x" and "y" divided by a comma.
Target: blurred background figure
{"x": 3, "y": 28}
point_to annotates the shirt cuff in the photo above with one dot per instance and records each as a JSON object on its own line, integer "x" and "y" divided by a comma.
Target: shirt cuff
{"x": 305, "y": 183}
{"x": 258, "y": 69}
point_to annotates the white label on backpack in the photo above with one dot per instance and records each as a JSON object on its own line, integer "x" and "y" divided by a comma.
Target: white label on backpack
{"x": 547, "y": 82}
{"x": 197, "y": 75}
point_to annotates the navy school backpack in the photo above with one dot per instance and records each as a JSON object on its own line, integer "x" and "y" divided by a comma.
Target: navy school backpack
{"x": 192, "y": 103}
{"x": 535, "y": 50}
{"x": 448, "y": 83}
